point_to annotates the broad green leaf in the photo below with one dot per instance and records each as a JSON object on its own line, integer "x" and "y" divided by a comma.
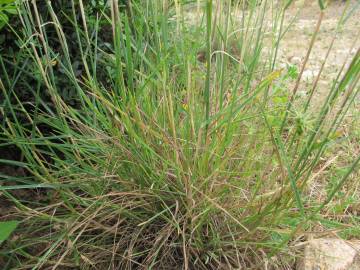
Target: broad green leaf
{"x": 4, "y": 18}
{"x": 3, "y": 2}
{"x": 2, "y": 24}
{"x": 321, "y": 4}
{"x": 11, "y": 10}
{"x": 6, "y": 228}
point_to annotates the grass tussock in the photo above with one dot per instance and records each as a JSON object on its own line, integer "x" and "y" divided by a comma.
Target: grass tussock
{"x": 187, "y": 147}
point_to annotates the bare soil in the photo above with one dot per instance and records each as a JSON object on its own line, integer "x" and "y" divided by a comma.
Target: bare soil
{"x": 296, "y": 42}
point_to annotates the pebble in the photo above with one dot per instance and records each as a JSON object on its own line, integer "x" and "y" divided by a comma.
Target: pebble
{"x": 308, "y": 75}
{"x": 330, "y": 254}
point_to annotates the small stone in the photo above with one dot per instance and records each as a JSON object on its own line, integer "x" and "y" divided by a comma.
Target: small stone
{"x": 330, "y": 254}
{"x": 302, "y": 93}
{"x": 283, "y": 65}
{"x": 308, "y": 75}
{"x": 295, "y": 60}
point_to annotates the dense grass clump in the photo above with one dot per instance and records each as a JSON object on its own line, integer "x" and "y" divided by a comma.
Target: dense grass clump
{"x": 186, "y": 145}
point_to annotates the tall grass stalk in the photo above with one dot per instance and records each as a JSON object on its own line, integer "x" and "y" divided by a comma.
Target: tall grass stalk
{"x": 166, "y": 161}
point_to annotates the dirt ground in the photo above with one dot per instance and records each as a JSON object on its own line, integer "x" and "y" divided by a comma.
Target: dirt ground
{"x": 296, "y": 41}
{"x": 293, "y": 50}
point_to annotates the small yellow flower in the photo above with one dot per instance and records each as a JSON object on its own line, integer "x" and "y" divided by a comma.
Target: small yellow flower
{"x": 53, "y": 62}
